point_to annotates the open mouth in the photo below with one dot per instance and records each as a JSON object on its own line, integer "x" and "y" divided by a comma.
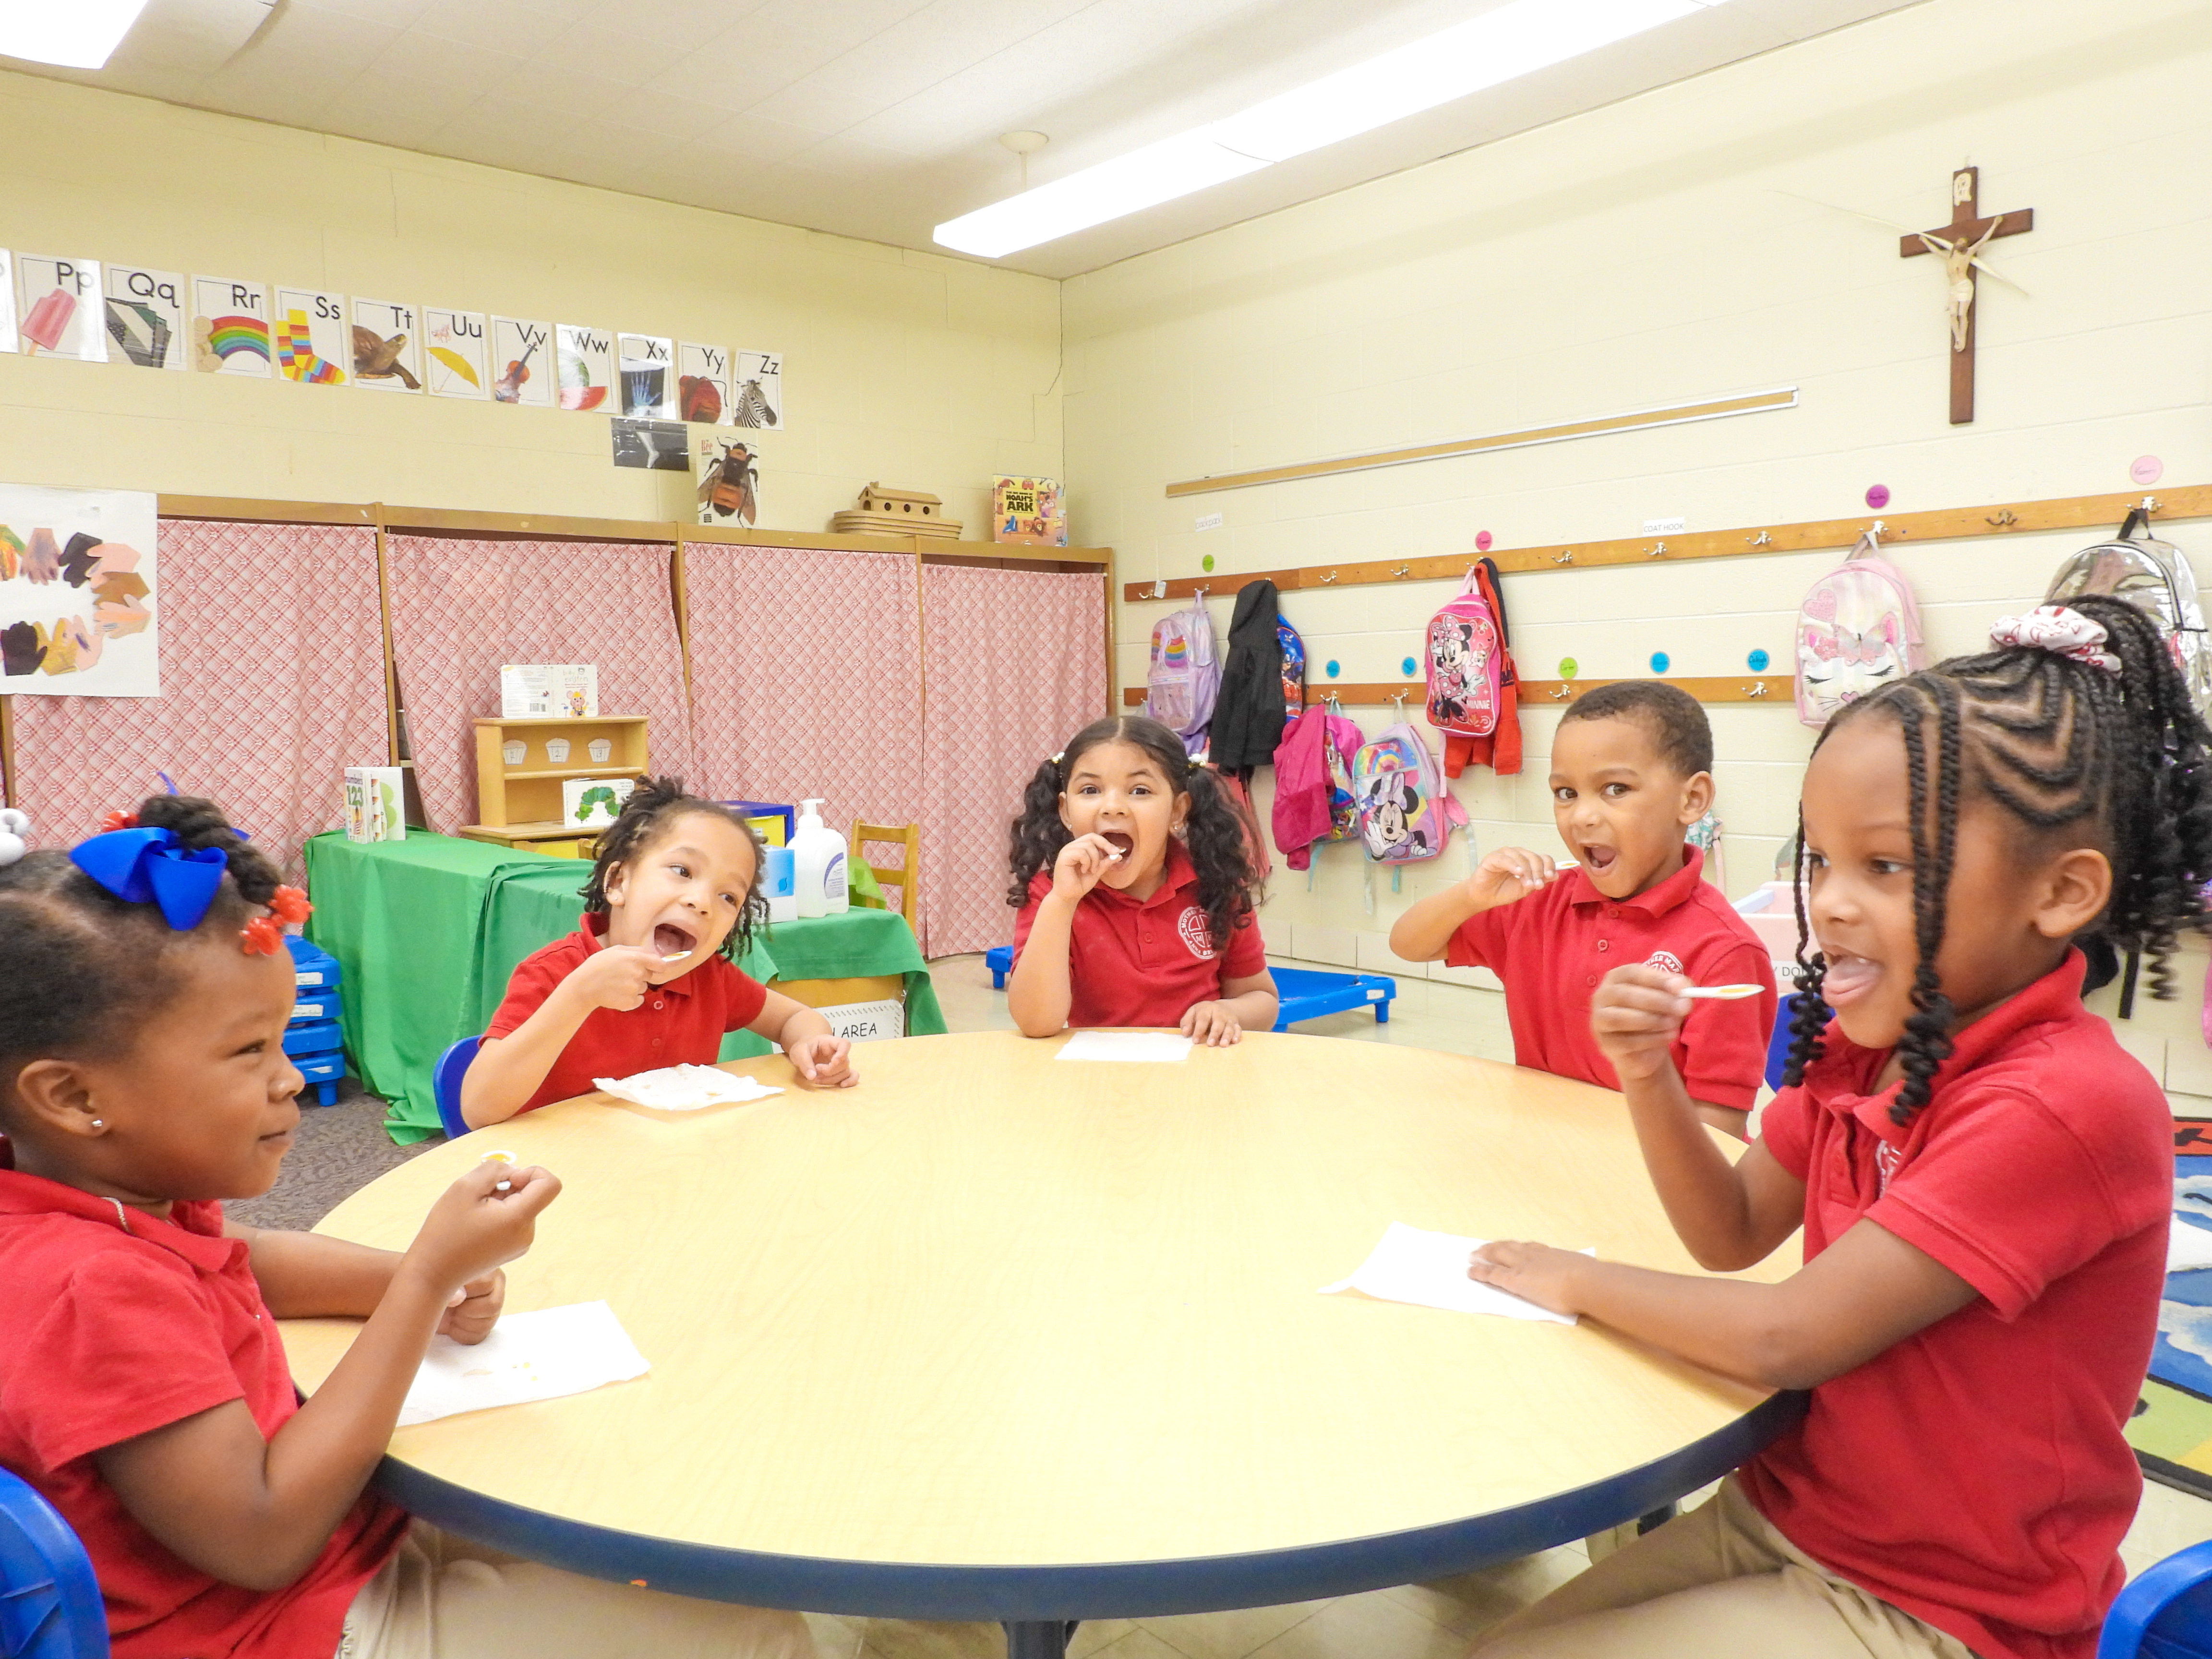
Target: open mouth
{"x": 1599, "y": 860}
{"x": 1122, "y": 844}
{"x": 672, "y": 939}
{"x": 1848, "y": 979}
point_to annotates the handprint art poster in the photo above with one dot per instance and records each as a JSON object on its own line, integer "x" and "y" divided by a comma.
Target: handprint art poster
{"x": 78, "y": 593}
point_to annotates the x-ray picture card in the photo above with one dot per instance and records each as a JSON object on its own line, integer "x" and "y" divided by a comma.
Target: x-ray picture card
{"x": 314, "y": 343}
{"x": 756, "y": 390}
{"x": 230, "y": 327}
{"x": 57, "y": 309}
{"x": 523, "y": 373}
{"x": 145, "y": 317}
{"x": 387, "y": 346}
{"x": 648, "y": 376}
{"x": 454, "y": 343}
{"x": 702, "y": 383}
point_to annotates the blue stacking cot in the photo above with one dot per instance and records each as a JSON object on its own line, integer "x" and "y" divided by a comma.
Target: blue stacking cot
{"x": 1307, "y": 992}
{"x": 312, "y": 1039}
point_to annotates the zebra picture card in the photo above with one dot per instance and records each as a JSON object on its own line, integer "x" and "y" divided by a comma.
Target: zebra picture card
{"x": 756, "y": 390}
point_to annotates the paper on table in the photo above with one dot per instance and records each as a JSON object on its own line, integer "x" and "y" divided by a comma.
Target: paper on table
{"x": 1125, "y": 1045}
{"x": 684, "y": 1088}
{"x": 528, "y": 1355}
{"x": 1430, "y": 1270}
{"x": 2187, "y": 1249}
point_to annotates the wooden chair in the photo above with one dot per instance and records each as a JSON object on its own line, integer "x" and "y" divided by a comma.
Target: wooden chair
{"x": 904, "y": 875}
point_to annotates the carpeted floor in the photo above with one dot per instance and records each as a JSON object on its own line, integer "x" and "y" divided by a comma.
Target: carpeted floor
{"x": 338, "y": 1150}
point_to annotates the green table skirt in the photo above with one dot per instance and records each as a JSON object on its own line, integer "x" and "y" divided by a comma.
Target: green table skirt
{"x": 427, "y": 930}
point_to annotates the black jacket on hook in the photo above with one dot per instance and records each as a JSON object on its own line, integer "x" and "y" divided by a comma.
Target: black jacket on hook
{"x": 1248, "y": 717}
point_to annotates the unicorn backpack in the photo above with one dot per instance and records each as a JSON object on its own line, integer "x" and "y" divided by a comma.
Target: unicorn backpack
{"x": 1858, "y": 628}
{"x": 1185, "y": 676}
{"x": 1464, "y": 667}
{"x": 1405, "y": 810}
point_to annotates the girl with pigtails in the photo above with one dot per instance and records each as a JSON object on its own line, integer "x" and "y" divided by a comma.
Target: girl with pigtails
{"x": 1135, "y": 886}
{"x": 1982, "y": 1174}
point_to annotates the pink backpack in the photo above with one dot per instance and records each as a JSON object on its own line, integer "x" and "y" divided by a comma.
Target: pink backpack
{"x": 1858, "y": 628}
{"x": 1464, "y": 663}
{"x": 1405, "y": 810}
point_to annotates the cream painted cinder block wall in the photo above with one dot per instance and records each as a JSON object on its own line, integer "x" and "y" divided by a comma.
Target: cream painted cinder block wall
{"x": 921, "y": 372}
{"x": 1654, "y": 252}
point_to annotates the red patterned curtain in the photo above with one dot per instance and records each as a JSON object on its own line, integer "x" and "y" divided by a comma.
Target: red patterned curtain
{"x": 272, "y": 678}
{"x": 460, "y": 609}
{"x": 806, "y": 681}
{"x": 1015, "y": 665}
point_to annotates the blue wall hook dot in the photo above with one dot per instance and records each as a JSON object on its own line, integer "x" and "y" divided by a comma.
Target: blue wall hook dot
{"x": 1757, "y": 660}
{"x": 1407, "y": 668}
{"x": 1332, "y": 671}
{"x": 1660, "y": 662}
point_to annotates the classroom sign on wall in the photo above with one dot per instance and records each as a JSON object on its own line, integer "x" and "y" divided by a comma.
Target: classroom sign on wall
{"x": 78, "y": 593}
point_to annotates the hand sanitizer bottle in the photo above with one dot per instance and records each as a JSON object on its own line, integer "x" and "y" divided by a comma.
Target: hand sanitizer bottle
{"x": 817, "y": 853}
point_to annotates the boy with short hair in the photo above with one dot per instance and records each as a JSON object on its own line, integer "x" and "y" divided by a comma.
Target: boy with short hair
{"x": 1631, "y": 769}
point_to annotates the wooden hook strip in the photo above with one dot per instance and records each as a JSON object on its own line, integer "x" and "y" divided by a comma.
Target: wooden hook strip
{"x": 1715, "y": 688}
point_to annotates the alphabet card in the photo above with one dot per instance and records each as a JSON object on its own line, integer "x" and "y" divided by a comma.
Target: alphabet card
{"x": 522, "y": 352}
{"x": 757, "y": 378}
{"x": 58, "y": 308}
{"x": 454, "y": 346}
{"x": 387, "y": 346}
{"x": 587, "y": 360}
{"x": 313, "y": 344}
{"x": 7, "y": 302}
{"x": 702, "y": 384}
{"x": 648, "y": 376}
{"x": 230, "y": 327}
{"x": 146, "y": 317}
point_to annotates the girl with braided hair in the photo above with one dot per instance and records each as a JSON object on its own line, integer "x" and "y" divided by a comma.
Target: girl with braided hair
{"x": 1983, "y": 1176}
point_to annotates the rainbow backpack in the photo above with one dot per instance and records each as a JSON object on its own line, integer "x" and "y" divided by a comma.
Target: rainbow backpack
{"x": 1185, "y": 676}
{"x": 1405, "y": 810}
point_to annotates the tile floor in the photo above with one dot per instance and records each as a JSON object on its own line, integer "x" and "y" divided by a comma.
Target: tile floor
{"x": 1431, "y": 1621}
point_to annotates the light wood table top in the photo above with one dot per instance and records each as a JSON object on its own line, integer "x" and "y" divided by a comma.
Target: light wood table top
{"x": 993, "y": 1335}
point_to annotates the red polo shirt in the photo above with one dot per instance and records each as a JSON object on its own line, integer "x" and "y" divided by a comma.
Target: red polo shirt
{"x": 678, "y": 1024}
{"x": 1552, "y": 947}
{"x": 1975, "y": 1474}
{"x": 116, "y": 1327}
{"x": 1145, "y": 962}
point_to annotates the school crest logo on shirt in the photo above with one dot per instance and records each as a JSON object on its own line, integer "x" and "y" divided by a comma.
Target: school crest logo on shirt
{"x": 1195, "y": 933}
{"x": 1665, "y": 960}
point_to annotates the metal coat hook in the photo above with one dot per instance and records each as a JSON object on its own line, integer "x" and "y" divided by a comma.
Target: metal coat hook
{"x": 1399, "y": 698}
{"x": 1762, "y": 539}
{"x": 1565, "y": 555}
{"x": 1655, "y": 552}
{"x": 1329, "y": 578}
{"x": 1562, "y": 693}
{"x": 2005, "y": 515}
{"x": 1876, "y": 531}
{"x": 1756, "y": 690}
{"x": 1403, "y": 570}
{"x": 2150, "y": 504}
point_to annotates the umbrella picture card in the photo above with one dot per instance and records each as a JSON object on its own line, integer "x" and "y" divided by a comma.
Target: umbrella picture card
{"x": 145, "y": 317}
{"x": 522, "y": 359}
{"x": 455, "y": 347}
{"x": 314, "y": 342}
{"x": 756, "y": 389}
{"x": 648, "y": 376}
{"x": 57, "y": 309}
{"x": 586, "y": 359}
{"x": 230, "y": 327}
{"x": 387, "y": 346}
{"x": 79, "y": 593}
{"x": 702, "y": 383}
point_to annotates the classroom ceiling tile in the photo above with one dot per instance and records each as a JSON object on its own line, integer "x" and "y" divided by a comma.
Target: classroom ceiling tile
{"x": 878, "y": 119}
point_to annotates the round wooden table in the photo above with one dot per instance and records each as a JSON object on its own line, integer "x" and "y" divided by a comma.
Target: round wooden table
{"x": 998, "y": 1336}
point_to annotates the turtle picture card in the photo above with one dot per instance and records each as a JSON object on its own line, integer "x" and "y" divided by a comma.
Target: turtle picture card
{"x": 647, "y": 366}
{"x": 230, "y": 327}
{"x": 522, "y": 363}
{"x": 702, "y": 383}
{"x": 387, "y": 346}
{"x": 455, "y": 348}
{"x": 145, "y": 317}
{"x": 57, "y": 309}
{"x": 313, "y": 341}
{"x": 756, "y": 389}
{"x": 585, "y": 361}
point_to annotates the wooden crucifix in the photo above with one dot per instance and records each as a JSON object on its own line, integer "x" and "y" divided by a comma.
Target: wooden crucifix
{"x": 1959, "y": 245}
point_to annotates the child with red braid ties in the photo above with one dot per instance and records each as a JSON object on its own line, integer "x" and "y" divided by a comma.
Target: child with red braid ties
{"x": 144, "y": 992}
{"x": 1983, "y": 1174}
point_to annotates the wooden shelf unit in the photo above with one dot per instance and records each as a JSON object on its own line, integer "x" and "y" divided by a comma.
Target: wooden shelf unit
{"x": 520, "y": 802}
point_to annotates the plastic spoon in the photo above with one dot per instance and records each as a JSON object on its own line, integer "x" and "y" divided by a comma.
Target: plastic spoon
{"x": 1722, "y": 993}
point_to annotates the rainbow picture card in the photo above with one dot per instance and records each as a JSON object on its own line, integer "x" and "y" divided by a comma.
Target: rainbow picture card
{"x": 145, "y": 318}
{"x": 57, "y": 309}
{"x": 387, "y": 346}
{"x": 455, "y": 353}
{"x": 314, "y": 345}
{"x": 7, "y": 301}
{"x": 702, "y": 383}
{"x": 522, "y": 363}
{"x": 230, "y": 327}
{"x": 584, "y": 363}
{"x": 756, "y": 389}
{"x": 647, "y": 365}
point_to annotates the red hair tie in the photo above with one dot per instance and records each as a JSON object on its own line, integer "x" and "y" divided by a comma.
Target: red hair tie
{"x": 118, "y": 820}
{"x": 261, "y": 937}
{"x": 289, "y": 905}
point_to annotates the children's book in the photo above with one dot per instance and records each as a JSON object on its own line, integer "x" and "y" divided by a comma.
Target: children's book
{"x": 585, "y": 366}
{"x": 455, "y": 344}
{"x": 541, "y": 691}
{"x": 1029, "y": 511}
{"x": 145, "y": 316}
{"x": 756, "y": 390}
{"x": 375, "y": 806}
{"x": 594, "y": 803}
{"x": 230, "y": 327}
{"x": 522, "y": 359}
{"x": 314, "y": 342}
{"x": 58, "y": 308}
{"x": 648, "y": 376}
{"x": 702, "y": 384}
{"x": 387, "y": 346}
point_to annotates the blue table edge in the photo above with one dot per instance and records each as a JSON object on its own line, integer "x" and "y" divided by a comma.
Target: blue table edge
{"x": 1124, "y": 1589}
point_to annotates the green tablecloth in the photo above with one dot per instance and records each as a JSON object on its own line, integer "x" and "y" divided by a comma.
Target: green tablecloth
{"x": 427, "y": 931}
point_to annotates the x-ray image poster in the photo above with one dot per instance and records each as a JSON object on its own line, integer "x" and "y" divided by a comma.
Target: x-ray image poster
{"x": 58, "y": 310}
{"x": 79, "y": 593}
{"x": 648, "y": 363}
{"x": 145, "y": 317}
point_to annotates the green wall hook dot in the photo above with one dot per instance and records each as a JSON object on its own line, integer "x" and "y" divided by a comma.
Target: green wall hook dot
{"x": 1206, "y": 563}
{"x": 1569, "y": 668}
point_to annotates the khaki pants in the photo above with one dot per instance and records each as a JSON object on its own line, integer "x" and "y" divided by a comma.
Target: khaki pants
{"x": 1717, "y": 1583}
{"x": 442, "y": 1597}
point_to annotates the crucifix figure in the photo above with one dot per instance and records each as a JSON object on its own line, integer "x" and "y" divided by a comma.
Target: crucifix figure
{"x": 1959, "y": 246}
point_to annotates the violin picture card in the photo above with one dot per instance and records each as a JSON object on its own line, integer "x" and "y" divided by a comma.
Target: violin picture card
{"x": 314, "y": 343}
{"x": 456, "y": 361}
{"x": 145, "y": 317}
{"x": 647, "y": 364}
{"x": 584, "y": 360}
{"x": 79, "y": 591}
{"x": 756, "y": 389}
{"x": 522, "y": 355}
{"x": 387, "y": 346}
{"x": 57, "y": 309}
{"x": 230, "y": 327}
{"x": 702, "y": 383}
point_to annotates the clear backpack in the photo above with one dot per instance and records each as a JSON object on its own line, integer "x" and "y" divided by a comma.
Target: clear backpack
{"x": 2154, "y": 577}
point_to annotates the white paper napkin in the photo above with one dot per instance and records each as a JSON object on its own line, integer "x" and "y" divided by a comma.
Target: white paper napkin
{"x": 1125, "y": 1045}
{"x": 528, "y": 1355}
{"x": 1430, "y": 1271}
{"x": 684, "y": 1088}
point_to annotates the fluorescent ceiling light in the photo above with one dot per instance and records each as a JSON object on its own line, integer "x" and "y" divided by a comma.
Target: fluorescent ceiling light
{"x": 73, "y": 33}
{"x": 1515, "y": 39}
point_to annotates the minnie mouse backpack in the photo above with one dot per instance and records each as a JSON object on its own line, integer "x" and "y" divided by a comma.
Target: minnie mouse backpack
{"x": 1405, "y": 810}
{"x": 1464, "y": 667}
{"x": 1858, "y": 628}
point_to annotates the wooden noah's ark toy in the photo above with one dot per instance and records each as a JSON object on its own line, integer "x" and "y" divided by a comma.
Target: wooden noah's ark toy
{"x": 896, "y": 512}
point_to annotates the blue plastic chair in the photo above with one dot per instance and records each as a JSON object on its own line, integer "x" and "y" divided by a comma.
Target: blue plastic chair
{"x": 2167, "y": 1614}
{"x": 446, "y": 1085}
{"x": 1000, "y": 959}
{"x": 1777, "y": 1046}
{"x": 50, "y": 1606}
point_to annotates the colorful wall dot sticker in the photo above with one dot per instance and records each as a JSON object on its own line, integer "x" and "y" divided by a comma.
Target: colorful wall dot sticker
{"x": 1660, "y": 662}
{"x": 1758, "y": 659}
{"x": 1569, "y": 668}
{"x": 2147, "y": 470}
{"x": 1206, "y": 563}
{"x": 1331, "y": 671}
{"x": 1407, "y": 668}
{"x": 1878, "y": 497}
{"x": 1482, "y": 541}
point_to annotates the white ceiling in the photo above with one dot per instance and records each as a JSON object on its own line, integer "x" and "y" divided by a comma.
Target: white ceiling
{"x": 876, "y": 119}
